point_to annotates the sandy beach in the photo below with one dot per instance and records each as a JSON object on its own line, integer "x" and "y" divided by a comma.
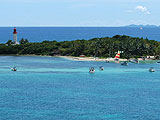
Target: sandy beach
{"x": 100, "y": 59}
{"x": 90, "y": 58}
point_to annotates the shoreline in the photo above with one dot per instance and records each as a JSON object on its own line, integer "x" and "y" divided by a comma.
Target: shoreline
{"x": 94, "y": 59}
{"x": 73, "y": 58}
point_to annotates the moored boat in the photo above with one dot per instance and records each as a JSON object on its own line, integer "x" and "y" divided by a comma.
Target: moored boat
{"x": 135, "y": 61}
{"x": 124, "y": 63}
{"x": 101, "y": 68}
{"x": 91, "y": 70}
{"x": 116, "y": 58}
{"x": 151, "y": 69}
{"x": 107, "y": 61}
{"x": 14, "y": 69}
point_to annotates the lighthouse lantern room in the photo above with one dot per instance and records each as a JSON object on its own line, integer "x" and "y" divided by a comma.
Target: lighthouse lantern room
{"x": 15, "y": 36}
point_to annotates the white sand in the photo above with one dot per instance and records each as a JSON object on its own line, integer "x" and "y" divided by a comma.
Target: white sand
{"x": 90, "y": 58}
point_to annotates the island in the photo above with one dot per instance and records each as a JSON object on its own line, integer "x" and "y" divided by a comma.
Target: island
{"x": 143, "y": 26}
{"x": 132, "y": 47}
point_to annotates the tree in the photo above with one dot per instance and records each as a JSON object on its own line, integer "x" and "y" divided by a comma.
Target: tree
{"x": 24, "y": 41}
{"x": 9, "y": 42}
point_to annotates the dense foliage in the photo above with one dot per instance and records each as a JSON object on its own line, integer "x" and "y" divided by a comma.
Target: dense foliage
{"x": 99, "y": 47}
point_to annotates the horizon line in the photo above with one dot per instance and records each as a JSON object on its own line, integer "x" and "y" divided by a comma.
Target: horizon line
{"x": 57, "y": 26}
{"x": 78, "y": 25}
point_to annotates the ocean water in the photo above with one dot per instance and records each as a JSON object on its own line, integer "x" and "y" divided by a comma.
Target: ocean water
{"x": 52, "y": 88}
{"x": 39, "y": 34}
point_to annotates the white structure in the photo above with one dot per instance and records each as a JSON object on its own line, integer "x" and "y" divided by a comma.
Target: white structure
{"x": 15, "y": 36}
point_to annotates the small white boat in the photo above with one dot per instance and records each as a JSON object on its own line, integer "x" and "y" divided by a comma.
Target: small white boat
{"x": 151, "y": 69}
{"x": 91, "y": 70}
{"x": 101, "y": 68}
{"x": 135, "y": 61}
{"x": 14, "y": 69}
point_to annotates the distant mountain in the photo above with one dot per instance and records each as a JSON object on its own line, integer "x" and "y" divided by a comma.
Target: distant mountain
{"x": 133, "y": 25}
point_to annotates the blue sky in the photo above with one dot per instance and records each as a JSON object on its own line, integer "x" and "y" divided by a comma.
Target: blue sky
{"x": 79, "y": 12}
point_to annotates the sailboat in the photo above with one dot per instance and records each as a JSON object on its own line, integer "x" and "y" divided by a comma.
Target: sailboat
{"x": 116, "y": 58}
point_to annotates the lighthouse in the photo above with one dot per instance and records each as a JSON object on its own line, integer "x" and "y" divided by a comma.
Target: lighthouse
{"x": 15, "y": 36}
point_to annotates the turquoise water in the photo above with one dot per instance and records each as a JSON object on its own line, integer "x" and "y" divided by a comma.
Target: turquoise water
{"x": 50, "y": 88}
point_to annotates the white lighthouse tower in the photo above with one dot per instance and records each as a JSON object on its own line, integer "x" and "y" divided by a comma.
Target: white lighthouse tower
{"x": 15, "y": 36}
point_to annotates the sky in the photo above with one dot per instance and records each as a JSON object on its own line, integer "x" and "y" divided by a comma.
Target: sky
{"x": 79, "y": 12}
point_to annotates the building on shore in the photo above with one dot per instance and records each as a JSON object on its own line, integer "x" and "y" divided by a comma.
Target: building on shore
{"x": 15, "y": 36}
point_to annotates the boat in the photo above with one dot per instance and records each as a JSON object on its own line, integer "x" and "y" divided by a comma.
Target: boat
{"x": 14, "y": 69}
{"x": 91, "y": 70}
{"x": 124, "y": 63}
{"x": 158, "y": 62}
{"x": 151, "y": 69}
{"x": 144, "y": 58}
{"x": 116, "y": 58}
{"x": 101, "y": 68}
{"x": 107, "y": 61}
{"x": 135, "y": 61}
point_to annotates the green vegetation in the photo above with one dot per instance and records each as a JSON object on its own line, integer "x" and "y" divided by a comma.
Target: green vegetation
{"x": 99, "y": 47}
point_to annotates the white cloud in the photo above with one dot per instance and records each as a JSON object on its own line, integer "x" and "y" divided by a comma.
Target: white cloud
{"x": 142, "y": 9}
{"x": 148, "y": 13}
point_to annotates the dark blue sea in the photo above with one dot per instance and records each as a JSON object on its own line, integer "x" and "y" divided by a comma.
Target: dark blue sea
{"x": 39, "y": 34}
{"x": 52, "y": 88}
